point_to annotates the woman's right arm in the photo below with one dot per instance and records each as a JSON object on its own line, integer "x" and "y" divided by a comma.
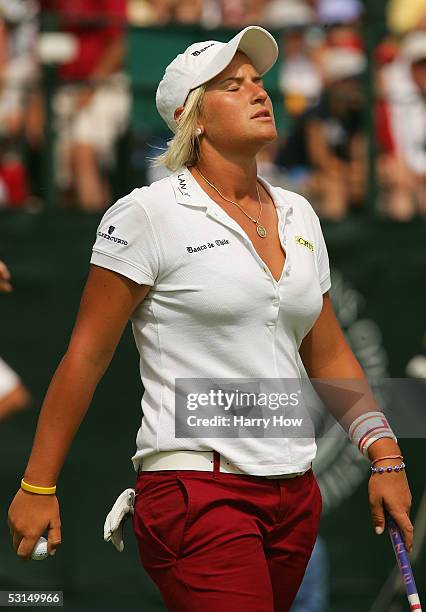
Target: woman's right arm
{"x": 108, "y": 301}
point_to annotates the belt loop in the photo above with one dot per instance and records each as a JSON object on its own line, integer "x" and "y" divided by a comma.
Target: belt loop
{"x": 216, "y": 463}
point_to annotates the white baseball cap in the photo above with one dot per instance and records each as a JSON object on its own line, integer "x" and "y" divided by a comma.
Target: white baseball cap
{"x": 203, "y": 61}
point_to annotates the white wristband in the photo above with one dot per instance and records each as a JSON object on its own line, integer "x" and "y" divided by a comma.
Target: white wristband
{"x": 369, "y": 427}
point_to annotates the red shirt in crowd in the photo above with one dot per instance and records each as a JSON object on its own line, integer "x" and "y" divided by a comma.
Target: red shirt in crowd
{"x": 94, "y": 23}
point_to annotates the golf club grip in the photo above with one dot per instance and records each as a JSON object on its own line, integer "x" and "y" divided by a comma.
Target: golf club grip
{"x": 404, "y": 564}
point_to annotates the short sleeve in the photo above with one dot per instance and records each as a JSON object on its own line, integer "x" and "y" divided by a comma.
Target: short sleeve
{"x": 322, "y": 258}
{"x": 9, "y": 380}
{"x": 126, "y": 243}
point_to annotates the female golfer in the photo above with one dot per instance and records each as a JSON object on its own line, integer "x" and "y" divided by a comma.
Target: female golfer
{"x": 223, "y": 276}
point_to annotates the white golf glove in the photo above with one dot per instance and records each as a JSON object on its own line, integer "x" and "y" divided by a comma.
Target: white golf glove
{"x": 113, "y": 528}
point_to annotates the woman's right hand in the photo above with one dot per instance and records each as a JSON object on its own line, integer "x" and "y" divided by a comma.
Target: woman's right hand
{"x": 30, "y": 516}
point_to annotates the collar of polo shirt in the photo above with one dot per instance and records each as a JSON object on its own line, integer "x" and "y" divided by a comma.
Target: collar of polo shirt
{"x": 190, "y": 193}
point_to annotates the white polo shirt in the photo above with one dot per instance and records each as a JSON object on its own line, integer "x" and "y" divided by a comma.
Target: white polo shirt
{"x": 214, "y": 309}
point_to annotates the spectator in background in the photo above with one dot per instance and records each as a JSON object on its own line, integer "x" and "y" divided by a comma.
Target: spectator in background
{"x": 187, "y": 11}
{"x": 149, "y": 12}
{"x": 255, "y": 11}
{"x": 92, "y": 104}
{"x": 232, "y": 13}
{"x": 328, "y": 141}
{"x": 338, "y": 11}
{"x": 161, "y": 12}
{"x": 404, "y": 84}
{"x": 13, "y": 394}
{"x": 299, "y": 78}
{"x": 394, "y": 176}
{"x": 340, "y": 21}
{"x": 239, "y": 13}
{"x": 18, "y": 31}
{"x": 335, "y": 139}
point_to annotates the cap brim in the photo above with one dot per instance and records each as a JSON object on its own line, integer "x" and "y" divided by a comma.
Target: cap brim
{"x": 256, "y": 42}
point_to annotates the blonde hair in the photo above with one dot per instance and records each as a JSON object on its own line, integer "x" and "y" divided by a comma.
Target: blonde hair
{"x": 184, "y": 148}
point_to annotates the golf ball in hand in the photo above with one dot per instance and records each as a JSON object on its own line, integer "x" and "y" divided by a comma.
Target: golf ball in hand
{"x": 40, "y": 550}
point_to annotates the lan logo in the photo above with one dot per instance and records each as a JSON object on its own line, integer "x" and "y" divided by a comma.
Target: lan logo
{"x": 304, "y": 243}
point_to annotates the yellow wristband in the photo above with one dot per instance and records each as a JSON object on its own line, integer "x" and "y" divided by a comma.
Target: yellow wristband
{"x": 39, "y": 490}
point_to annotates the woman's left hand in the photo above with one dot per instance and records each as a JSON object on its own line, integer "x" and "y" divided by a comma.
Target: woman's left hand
{"x": 390, "y": 491}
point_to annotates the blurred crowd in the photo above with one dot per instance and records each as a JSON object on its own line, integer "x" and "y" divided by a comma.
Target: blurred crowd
{"x": 323, "y": 145}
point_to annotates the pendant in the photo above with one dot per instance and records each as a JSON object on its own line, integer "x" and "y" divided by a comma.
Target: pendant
{"x": 260, "y": 230}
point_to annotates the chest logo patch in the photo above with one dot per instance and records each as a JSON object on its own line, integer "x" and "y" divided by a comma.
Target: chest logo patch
{"x": 304, "y": 242}
{"x": 208, "y": 245}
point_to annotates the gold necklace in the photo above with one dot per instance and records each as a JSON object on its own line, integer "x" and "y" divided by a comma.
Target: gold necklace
{"x": 260, "y": 229}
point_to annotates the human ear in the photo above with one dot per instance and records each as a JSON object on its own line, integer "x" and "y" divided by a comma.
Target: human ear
{"x": 178, "y": 112}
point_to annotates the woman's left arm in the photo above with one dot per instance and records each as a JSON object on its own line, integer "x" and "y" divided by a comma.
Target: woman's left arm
{"x": 327, "y": 356}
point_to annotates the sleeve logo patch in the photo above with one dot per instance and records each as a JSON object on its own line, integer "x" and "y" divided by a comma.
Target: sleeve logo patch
{"x": 112, "y": 238}
{"x": 304, "y": 243}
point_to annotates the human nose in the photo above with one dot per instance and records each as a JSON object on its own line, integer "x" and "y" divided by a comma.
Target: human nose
{"x": 259, "y": 94}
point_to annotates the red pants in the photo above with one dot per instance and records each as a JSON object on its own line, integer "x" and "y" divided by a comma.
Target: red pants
{"x": 218, "y": 542}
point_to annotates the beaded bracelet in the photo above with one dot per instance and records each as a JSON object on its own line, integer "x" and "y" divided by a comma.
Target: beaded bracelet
{"x": 389, "y": 468}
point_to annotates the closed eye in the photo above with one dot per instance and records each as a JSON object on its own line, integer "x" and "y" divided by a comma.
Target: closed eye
{"x": 237, "y": 81}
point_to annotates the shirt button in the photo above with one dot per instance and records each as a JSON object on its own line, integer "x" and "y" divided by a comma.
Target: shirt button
{"x": 275, "y": 302}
